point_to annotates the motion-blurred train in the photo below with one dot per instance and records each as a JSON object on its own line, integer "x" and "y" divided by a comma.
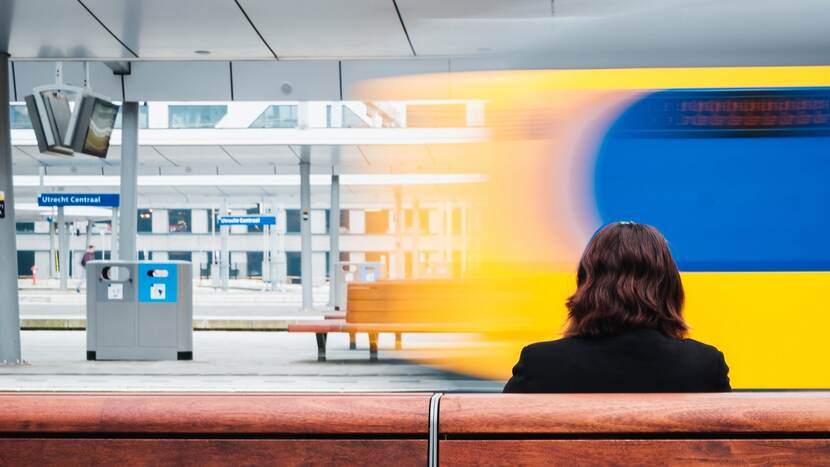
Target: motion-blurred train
{"x": 731, "y": 164}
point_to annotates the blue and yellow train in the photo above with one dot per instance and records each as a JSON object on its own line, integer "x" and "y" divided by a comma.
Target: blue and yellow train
{"x": 731, "y": 164}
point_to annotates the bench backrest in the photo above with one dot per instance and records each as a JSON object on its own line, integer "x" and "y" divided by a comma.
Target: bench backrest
{"x": 639, "y": 429}
{"x": 470, "y": 302}
{"x": 400, "y": 301}
{"x": 791, "y": 428}
{"x": 213, "y": 429}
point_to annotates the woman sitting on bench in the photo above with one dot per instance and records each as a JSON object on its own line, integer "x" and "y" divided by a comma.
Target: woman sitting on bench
{"x": 625, "y": 329}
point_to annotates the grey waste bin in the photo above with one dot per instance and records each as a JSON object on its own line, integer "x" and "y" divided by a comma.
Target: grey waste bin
{"x": 347, "y": 272}
{"x": 139, "y": 310}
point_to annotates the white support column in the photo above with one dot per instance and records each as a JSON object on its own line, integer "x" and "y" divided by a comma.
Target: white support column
{"x": 304, "y": 121}
{"x": 88, "y": 235}
{"x": 87, "y": 242}
{"x": 53, "y": 264}
{"x": 448, "y": 233}
{"x": 114, "y": 236}
{"x": 334, "y": 235}
{"x": 214, "y": 251}
{"x": 63, "y": 249}
{"x": 416, "y": 228}
{"x": 278, "y": 260}
{"x": 305, "y": 227}
{"x": 270, "y": 257}
{"x": 265, "y": 267}
{"x": 398, "y": 266}
{"x": 127, "y": 230}
{"x": 224, "y": 254}
{"x": 464, "y": 243}
{"x": 9, "y": 304}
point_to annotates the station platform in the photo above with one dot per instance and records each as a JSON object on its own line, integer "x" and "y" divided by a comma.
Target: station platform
{"x": 247, "y": 305}
{"x": 239, "y": 362}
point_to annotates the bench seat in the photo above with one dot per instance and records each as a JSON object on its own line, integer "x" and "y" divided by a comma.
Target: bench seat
{"x": 324, "y": 325}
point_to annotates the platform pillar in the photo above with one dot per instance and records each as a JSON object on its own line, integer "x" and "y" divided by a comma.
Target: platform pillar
{"x": 224, "y": 254}
{"x": 9, "y": 305}
{"x": 305, "y": 227}
{"x": 63, "y": 249}
{"x": 334, "y": 236}
{"x": 128, "y": 218}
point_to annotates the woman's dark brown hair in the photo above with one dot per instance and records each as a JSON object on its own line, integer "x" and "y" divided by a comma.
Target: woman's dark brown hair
{"x": 627, "y": 279}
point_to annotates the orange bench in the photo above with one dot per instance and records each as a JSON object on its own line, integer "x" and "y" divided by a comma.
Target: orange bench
{"x": 426, "y": 306}
{"x": 394, "y": 307}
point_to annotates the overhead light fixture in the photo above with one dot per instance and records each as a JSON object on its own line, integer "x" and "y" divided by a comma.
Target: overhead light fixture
{"x": 202, "y": 52}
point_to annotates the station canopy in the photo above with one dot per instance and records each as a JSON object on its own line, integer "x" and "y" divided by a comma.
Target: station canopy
{"x": 283, "y": 52}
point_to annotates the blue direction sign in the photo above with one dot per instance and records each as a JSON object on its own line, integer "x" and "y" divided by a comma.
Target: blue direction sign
{"x": 247, "y": 220}
{"x": 101, "y": 200}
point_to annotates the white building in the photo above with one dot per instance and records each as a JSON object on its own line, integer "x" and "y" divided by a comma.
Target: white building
{"x": 183, "y": 184}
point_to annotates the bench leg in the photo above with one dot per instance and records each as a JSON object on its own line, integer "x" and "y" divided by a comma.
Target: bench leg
{"x": 373, "y": 346}
{"x": 397, "y": 341}
{"x": 352, "y": 341}
{"x": 321, "y": 346}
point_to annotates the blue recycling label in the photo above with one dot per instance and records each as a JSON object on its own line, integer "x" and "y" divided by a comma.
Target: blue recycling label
{"x": 157, "y": 283}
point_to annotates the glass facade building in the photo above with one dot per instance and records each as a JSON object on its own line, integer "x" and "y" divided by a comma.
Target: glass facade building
{"x": 277, "y": 116}
{"x": 195, "y": 116}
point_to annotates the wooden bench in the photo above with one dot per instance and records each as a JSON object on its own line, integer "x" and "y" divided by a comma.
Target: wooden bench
{"x": 55, "y": 429}
{"x": 635, "y": 429}
{"x": 394, "y": 307}
{"x": 749, "y": 428}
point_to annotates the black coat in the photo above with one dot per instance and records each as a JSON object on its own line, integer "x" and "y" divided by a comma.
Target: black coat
{"x": 641, "y": 360}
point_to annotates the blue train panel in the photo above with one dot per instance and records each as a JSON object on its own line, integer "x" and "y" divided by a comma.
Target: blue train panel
{"x": 736, "y": 180}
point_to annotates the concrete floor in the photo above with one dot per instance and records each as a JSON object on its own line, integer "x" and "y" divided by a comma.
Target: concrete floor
{"x": 239, "y": 361}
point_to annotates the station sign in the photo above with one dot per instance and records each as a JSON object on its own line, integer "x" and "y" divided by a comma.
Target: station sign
{"x": 101, "y": 200}
{"x": 247, "y": 220}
